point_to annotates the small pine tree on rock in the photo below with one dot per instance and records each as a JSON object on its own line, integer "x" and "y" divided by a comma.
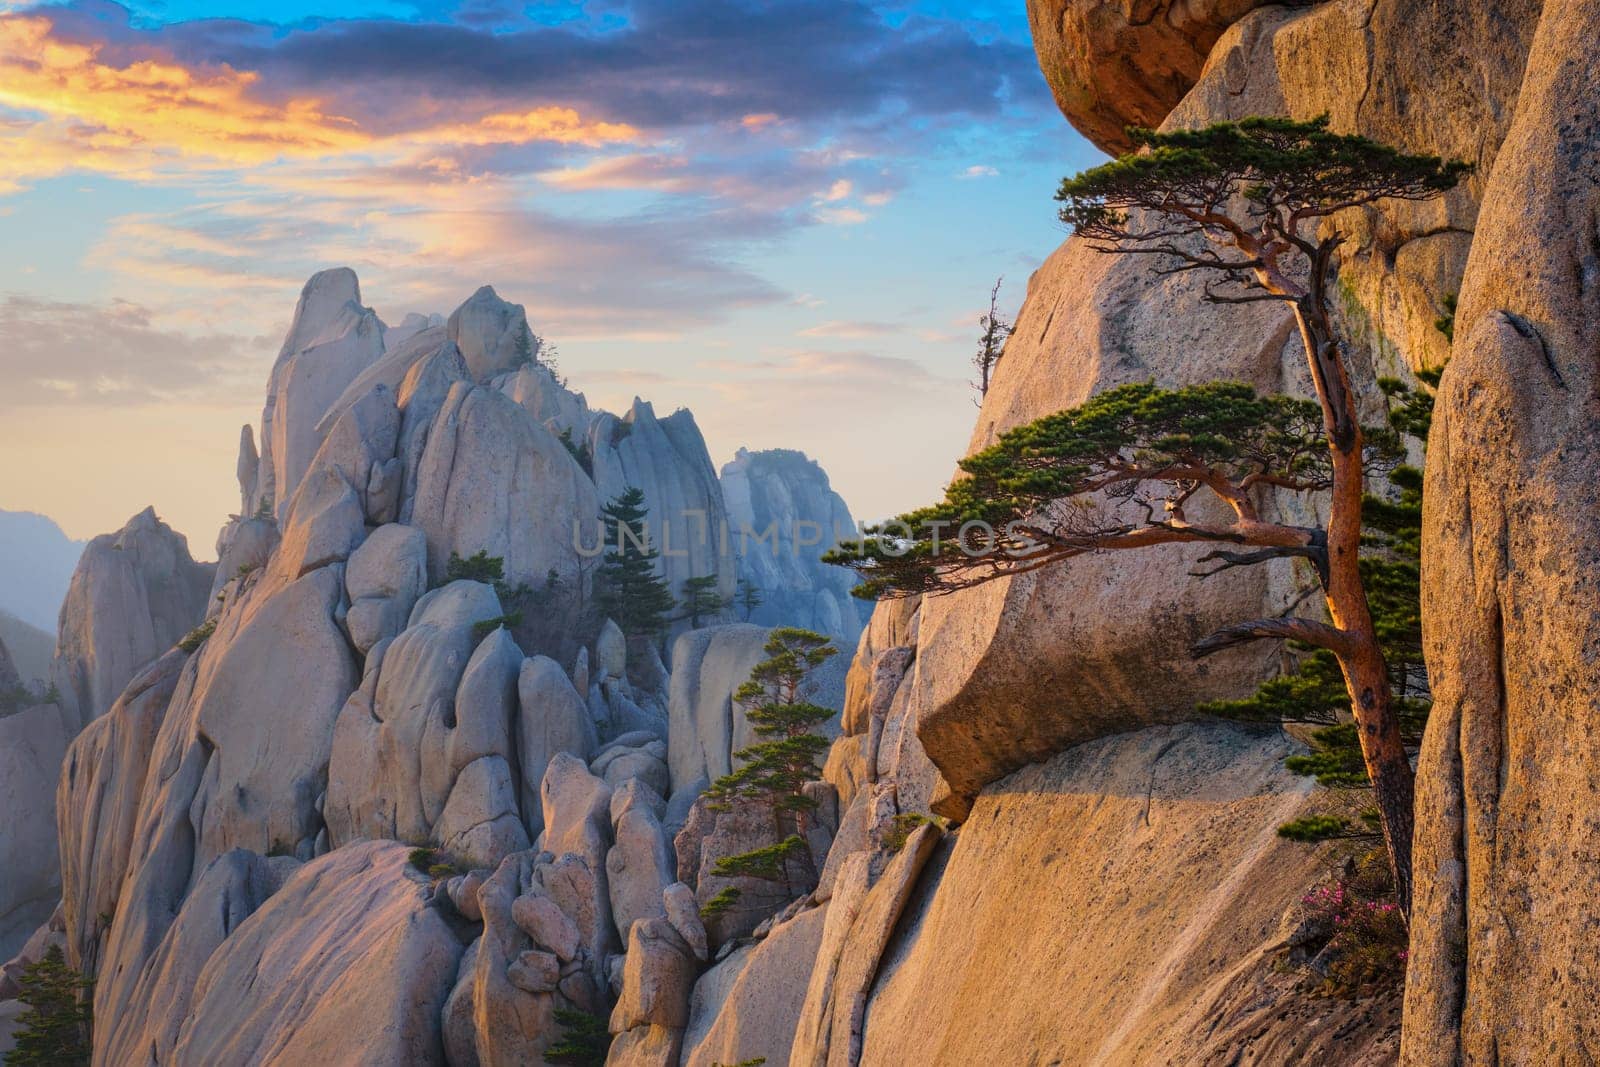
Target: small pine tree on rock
{"x": 749, "y": 597}
{"x": 774, "y": 771}
{"x": 702, "y": 601}
{"x": 631, "y": 592}
{"x": 585, "y": 1039}
{"x": 55, "y": 1030}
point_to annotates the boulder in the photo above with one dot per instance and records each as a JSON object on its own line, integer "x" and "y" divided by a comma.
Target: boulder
{"x": 747, "y": 1006}
{"x": 538, "y": 916}
{"x": 656, "y": 980}
{"x": 535, "y": 972}
{"x": 134, "y": 594}
{"x": 234, "y": 764}
{"x": 782, "y": 516}
{"x": 646, "y": 764}
{"x": 1501, "y": 967}
{"x": 385, "y": 577}
{"x": 683, "y": 912}
{"x": 610, "y": 652}
{"x": 423, "y": 750}
{"x": 348, "y": 962}
{"x": 577, "y": 811}
{"x": 1117, "y": 63}
{"x": 551, "y": 719}
{"x": 639, "y": 867}
{"x": 705, "y": 728}
{"x": 390, "y": 369}
{"x": 545, "y": 396}
{"x": 243, "y": 547}
{"x": 491, "y": 479}
{"x": 148, "y": 1030}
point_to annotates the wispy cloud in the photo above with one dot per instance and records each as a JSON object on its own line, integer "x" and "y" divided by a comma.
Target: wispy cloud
{"x": 848, "y": 329}
{"x": 114, "y": 353}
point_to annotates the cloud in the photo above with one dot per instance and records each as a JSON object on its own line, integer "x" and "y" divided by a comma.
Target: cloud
{"x": 672, "y": 64}
{"x": 849, "y": 329}
{"x": 842, "y": 216}
{"x": 978, "y": 170}
{"x": 91, "y": 106}
{"x": 115, "y": 353}
{"x": 839, "y": 190}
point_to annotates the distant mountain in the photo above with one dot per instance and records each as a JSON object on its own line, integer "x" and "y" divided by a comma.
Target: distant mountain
{"x": 36, "y": 563}
{"x": 29, "y": 646}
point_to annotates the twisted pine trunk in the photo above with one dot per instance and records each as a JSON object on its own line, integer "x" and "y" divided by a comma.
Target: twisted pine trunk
{"x": 1366, "y": 674}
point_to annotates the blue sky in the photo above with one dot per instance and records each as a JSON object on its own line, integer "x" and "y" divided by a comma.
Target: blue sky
{"x": 783, "y": 215}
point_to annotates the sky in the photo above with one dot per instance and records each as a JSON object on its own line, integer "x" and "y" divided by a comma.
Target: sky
{"x": 785, "y": 215}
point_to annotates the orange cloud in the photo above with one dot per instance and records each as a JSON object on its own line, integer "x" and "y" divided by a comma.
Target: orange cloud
{"x": 156, "y": 104}
{"x": 71, "y": 109}
{"x": 561, "y": 125}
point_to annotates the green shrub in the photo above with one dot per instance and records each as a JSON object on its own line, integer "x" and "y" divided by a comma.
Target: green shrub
{"x": 901, "y": 829}
{"x": 422, "y": 859}
{"x": 720, "y": 903}
{"x": 197, "y": 636}
{"x": 511, "y": 620}
{"x": 1367, "y": 948}
{"x": 55, "y": 1029}
{"x": 478, "y": 567}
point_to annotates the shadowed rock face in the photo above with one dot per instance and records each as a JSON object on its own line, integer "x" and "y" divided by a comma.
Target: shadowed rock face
{"x": 32, "y": 742}
{"x": 1503, "y": 967}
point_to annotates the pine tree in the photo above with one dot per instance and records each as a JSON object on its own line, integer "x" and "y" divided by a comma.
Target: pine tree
{"x": 1313, "y": 692}
{"x": 774, "y": 771}
{"x": 54, "y": 1031}
{"x": 996, "y": 331}
{"x": 584, "y": 1040}
{"x": 630, "y": 591}
{"x": 701, "y": 599}
{"x": 750, "y": 597}
{"x": 1254, "y": 204}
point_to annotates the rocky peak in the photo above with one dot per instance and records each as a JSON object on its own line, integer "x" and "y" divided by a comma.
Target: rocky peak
{"x": 134, "y": 594}
{"x": 787, "y": 492}
{"x": 493, "y": 335}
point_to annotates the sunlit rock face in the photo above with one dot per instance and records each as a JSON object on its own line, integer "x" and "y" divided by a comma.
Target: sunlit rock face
{"x": 1013, "y": 671}
{"x": 1502, "y": 962}
{"x": 346, "y": 701}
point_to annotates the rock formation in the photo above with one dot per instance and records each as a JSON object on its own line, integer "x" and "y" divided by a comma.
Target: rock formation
{"x": 667, "y": 459}
{"x": 134, "y": 594}
{"x": 783, "y": 515}
{"x": 1502, "y": 967}
{"x": 332, "y": 340}
{"x": 32, "y": 742}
